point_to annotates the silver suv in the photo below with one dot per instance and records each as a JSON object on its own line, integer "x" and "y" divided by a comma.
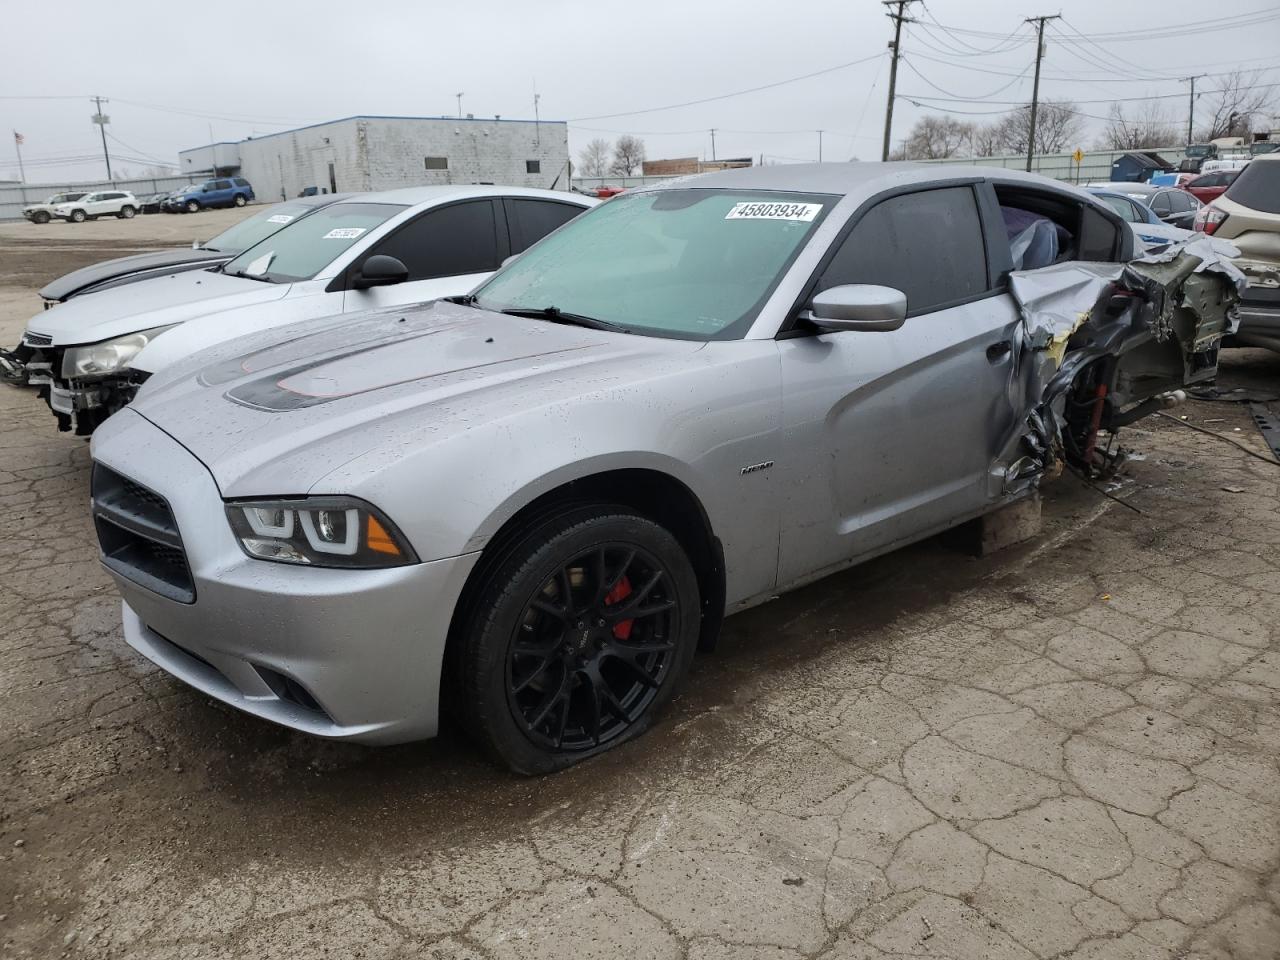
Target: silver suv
{"x": 534, "y": 502}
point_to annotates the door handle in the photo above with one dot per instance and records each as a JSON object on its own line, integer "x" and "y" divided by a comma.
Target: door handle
{"x": 998, "y": 351}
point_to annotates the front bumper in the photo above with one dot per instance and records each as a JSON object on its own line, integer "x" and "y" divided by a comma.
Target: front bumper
{"x": 349, "y": 654}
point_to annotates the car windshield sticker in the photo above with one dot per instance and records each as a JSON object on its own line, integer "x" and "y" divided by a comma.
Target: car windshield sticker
{"x": 343, "y": 233}
{"x": 279, "y": 218}
{"x": 802, "y": 212}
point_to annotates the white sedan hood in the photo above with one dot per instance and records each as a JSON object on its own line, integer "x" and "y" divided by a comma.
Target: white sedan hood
{"x": 174, "y": 298}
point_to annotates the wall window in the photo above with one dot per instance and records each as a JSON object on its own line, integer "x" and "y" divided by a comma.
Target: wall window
{"x": 533, "y": 166}
{"x": 436, "y": 163}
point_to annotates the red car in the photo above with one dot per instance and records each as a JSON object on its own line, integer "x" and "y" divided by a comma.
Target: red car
{"x": 1210, "y": 186}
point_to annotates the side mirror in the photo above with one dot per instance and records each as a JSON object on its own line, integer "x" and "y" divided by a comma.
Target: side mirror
{"x": 859, "y": 306}
{"x": 379, "y": 271}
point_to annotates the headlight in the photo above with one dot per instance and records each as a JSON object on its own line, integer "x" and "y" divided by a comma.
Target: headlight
{"x": 110, "y": 356}
{"x": 319, "y": 531}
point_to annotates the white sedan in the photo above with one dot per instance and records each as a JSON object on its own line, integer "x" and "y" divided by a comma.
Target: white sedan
{"x": 371, "y": 250}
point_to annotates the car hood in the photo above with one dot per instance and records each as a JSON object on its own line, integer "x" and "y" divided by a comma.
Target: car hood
{"x": 273, "y": 413}
{"x": 78, "y": 280}
{"x": 159, "y": 302}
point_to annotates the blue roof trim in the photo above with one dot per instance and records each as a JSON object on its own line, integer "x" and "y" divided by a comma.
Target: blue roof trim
{"x": 371, "y": 116}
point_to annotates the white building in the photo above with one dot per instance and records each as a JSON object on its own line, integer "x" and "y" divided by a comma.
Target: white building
{"x": 382, "y": 153}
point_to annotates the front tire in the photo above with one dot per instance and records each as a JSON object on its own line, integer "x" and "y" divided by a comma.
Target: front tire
{"x": 577, "y": 639}
{"x": 40, "y": 217}
{"x": 192, "y": 207}
{"x": 77, "y": 216}
{"x": 240, "y": 200}
{"x": 126, "y": 213}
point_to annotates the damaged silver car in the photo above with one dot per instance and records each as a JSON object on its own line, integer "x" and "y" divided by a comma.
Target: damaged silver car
{"x": 532, "y": 504}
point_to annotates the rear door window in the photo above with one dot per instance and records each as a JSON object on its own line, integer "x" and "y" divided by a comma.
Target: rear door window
{"x": 222, "y": 184}
{"x": 1258, "y": 186}
{"x": 929, "y": 245}
{"x": 531, "y": 220}
{"x": 446, "y": 242}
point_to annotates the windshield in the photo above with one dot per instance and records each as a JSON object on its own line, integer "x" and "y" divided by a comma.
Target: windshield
{"x": 688, "y": 264}
{"x": 301, "y": 249}
{"x": 257, "y": 228}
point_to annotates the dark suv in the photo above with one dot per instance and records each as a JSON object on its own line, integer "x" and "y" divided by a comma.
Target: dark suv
{"x": 227, "y": 192}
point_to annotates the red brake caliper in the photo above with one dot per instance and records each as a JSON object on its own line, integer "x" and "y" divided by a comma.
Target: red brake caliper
{"x": 620, "y": 591}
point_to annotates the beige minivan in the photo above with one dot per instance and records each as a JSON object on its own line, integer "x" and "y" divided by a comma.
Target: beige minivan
{"x": 1248, "y": 215}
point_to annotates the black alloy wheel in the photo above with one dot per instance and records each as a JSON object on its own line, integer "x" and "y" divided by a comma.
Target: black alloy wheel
{"x": 582, "y": 634}
{"x": 592, "y": 648}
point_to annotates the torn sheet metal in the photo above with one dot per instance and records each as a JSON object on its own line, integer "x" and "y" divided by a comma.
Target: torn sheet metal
{"x": 1100, "y": 343}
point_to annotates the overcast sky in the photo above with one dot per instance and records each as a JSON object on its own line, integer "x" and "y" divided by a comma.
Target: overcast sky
{"x": 179, "y": 76}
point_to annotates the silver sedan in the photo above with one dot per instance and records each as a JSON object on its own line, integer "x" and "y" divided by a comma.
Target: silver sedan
{"x": 535, "y": 502}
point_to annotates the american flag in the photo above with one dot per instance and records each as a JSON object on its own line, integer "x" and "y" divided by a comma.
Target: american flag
{"x": 18, "y": 138}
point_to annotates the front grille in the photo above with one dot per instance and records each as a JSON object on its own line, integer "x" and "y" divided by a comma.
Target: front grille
{"x": 36, "y": 340}
{"x": 139, "y": 536}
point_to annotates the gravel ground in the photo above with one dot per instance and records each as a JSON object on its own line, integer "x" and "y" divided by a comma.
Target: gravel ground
{"x": 1069, "y": 749}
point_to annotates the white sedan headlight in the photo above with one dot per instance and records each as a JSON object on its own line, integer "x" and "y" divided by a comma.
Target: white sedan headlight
{"x": 109, "y": 356}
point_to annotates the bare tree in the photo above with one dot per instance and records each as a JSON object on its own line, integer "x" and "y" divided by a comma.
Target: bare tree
{"x": 984, "y": 140}
{"x": 1058, "y": 126}
{"x": 594, "y": 158}
{"x": 1147, "y": 125}
{"x": 628, "y": 154}
{"x": 1228, "y": 110}
{"x": 934, "y": 138}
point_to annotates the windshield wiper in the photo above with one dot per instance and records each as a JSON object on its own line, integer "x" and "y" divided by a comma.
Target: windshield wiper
{"x": 556, "y": 315}
{"x": 251, "y": 276}
{"x": 462, "y": 299}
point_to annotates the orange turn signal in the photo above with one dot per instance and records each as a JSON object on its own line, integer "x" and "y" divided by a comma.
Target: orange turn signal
{"x": 378, "y": 540}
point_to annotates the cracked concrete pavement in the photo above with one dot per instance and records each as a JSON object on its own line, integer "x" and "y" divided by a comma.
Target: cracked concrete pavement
{"x": 1070, "y": 749}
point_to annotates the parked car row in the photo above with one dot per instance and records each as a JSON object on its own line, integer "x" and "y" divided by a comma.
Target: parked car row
{"x": 79, "y": 206}
{"x": 359, "y": 472}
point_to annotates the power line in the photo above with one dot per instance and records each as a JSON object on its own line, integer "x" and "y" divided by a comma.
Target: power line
{"x": 1155, "y": 96}
{"x": 1017, "y": 77}
{"x": 998, "y": 48}
{"x": 736, "y": 93}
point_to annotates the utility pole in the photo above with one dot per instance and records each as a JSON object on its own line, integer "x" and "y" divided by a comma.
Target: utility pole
{"x": 1191, "y": 109}
{"x": 17, "y": 146}
{"x": 819, "y": 146}
{"x": 713, "y": 144}
{"x": 1035, "y": 87}
{"x": 459, "y": 96}
{"x": 537, "y": 123}
{"x": 101, "y": 119}
{"x": 898, "y": 17}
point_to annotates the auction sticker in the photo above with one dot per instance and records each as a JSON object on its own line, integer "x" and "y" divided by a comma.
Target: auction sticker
{"x": 343, "y": 233}
{"x": 752, "y": 210}
{"x": 279, "y": 218}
